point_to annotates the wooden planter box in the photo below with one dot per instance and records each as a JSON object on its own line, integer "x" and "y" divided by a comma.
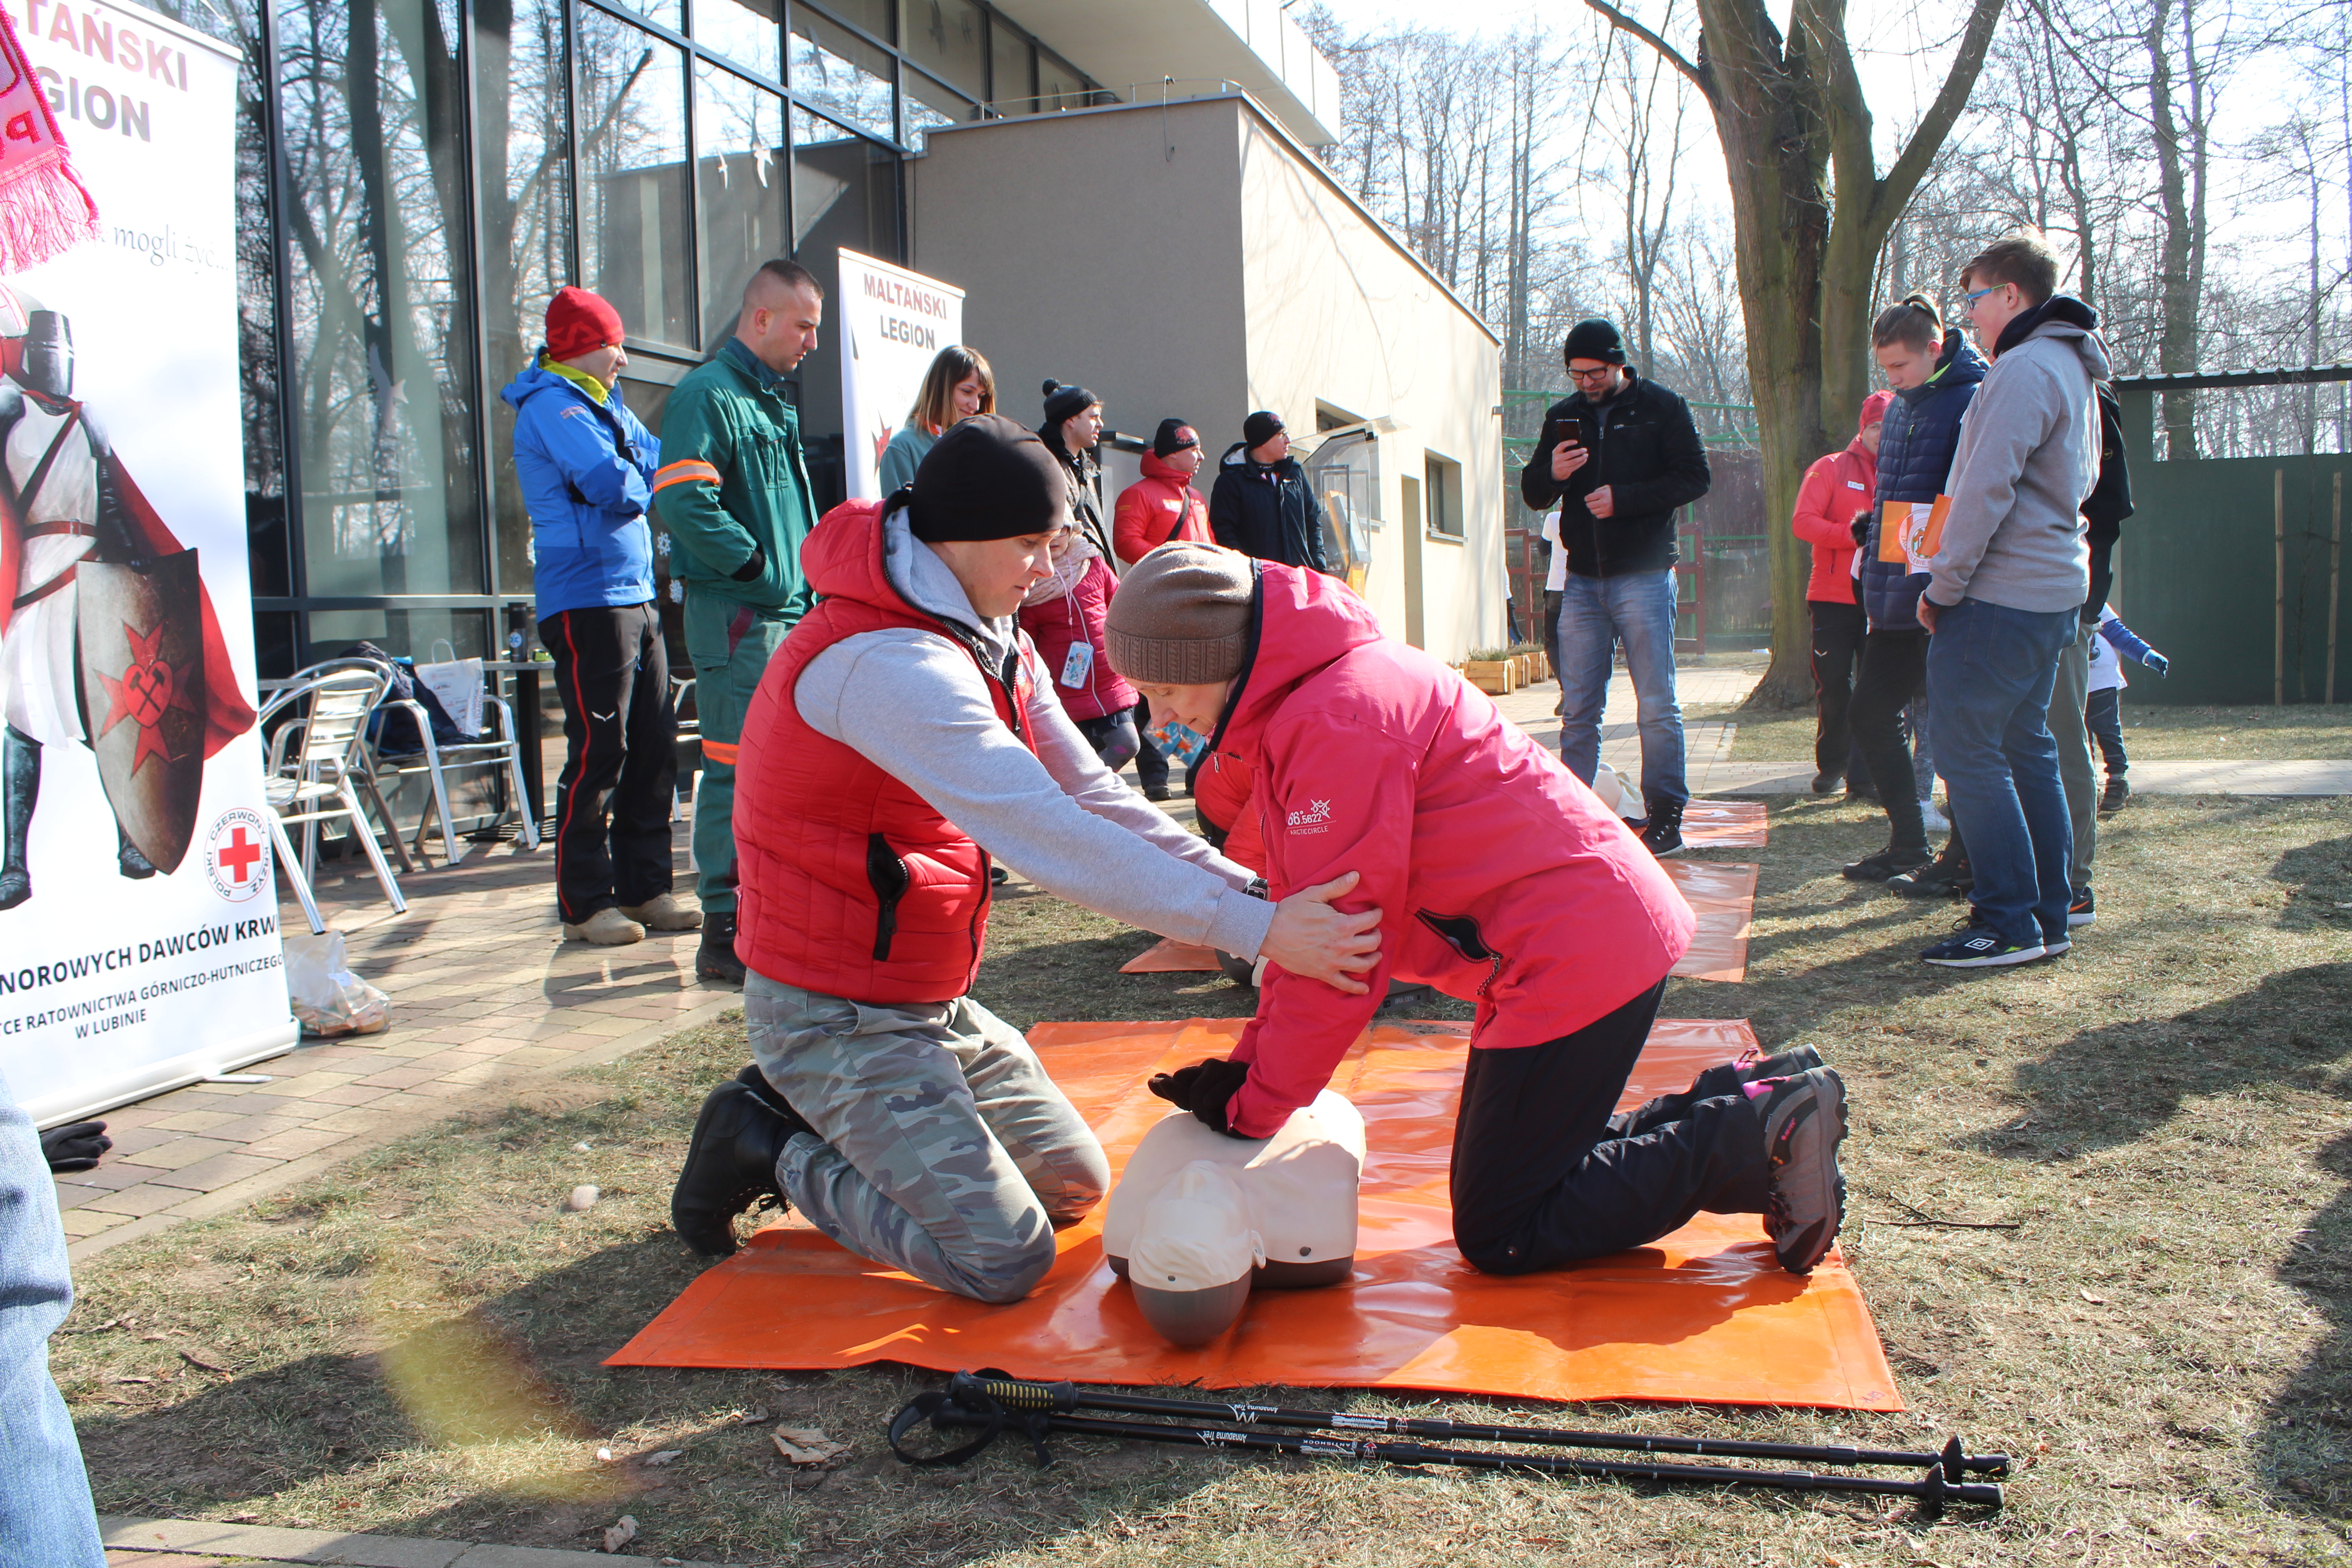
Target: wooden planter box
{"x": 1497, "y": 677}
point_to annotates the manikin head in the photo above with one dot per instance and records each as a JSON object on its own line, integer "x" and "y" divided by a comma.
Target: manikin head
{"x": 48, "y": 364}
{"x": 989, "y": 498}
{"x": 783, "y": 309}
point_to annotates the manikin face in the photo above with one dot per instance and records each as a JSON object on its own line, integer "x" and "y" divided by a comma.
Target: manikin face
{"x": 1905, "y": 367}
{"x": 997, "y": 573}
{"x": 967, "y": 396}
{"x": 1197, "y": 708}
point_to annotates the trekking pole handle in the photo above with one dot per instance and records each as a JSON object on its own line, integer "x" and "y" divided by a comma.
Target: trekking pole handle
{"x": 1013, "y": 1392}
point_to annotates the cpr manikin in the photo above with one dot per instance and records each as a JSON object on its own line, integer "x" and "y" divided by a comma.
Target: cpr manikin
{"x": 1199, "y": 1219}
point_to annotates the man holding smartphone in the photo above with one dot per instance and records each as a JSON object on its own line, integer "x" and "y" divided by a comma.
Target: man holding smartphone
{"x": 1619, "y": 456}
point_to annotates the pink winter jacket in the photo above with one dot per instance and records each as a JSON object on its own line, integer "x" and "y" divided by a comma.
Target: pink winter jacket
{"x": 1078, "y": 617}
{"x": 1502, "y": 880}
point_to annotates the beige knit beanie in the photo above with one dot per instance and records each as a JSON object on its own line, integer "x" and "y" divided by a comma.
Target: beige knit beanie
{"x": 1181, "y": 616}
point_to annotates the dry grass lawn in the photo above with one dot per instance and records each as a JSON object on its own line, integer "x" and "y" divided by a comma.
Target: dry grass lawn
{"x": 2293, "y": 733}
{"x": 413, "y": 1344}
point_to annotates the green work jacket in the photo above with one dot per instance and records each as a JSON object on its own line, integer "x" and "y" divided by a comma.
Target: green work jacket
{"x": 734, "y": 479}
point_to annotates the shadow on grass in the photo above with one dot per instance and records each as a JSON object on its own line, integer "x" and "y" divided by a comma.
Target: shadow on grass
{"x": 2318, "y": 879}
{"x": 2305, "y": 1445}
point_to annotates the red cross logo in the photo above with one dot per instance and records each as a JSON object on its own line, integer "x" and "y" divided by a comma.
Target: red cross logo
{"x": 238, "y": 856}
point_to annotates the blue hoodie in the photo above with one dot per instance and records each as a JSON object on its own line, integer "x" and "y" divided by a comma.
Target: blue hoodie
{"x": 586, "y": 470}
{"x": 1915, "y": 457}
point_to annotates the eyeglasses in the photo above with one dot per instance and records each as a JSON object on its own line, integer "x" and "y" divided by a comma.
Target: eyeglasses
{"x": 1968, "y": 300}
{"x": 1603, "y": 373}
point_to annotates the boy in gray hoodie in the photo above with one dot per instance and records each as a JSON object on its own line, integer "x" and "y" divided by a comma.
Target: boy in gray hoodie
{"x": 2008, "y": 580}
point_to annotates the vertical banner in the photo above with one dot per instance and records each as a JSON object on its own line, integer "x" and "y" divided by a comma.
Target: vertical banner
{"x": 894, "y": 323}
{"x": 139, "y": 945}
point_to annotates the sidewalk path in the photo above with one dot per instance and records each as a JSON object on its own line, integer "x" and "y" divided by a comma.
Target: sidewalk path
{"x": 485, "y": 996}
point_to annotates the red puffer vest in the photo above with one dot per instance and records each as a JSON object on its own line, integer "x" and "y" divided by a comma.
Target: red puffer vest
{"x": 852, "y": 885}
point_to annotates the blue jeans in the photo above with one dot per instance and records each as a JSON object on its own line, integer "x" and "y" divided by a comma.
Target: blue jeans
{"x": 1991, "y": 670}
{"x": 45, "y": 1508}
{"x": 1594, "y": 613}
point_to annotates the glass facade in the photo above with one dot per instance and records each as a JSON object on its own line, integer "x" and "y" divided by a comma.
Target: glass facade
{"x": 418, "y": 177}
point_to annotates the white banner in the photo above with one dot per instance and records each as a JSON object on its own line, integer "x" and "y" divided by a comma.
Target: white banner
{"x": 894, "y": 323}
{"x": 139, "y": 945}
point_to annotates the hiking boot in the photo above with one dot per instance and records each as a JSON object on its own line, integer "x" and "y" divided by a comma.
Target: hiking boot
{"x": 1157, "y": 792}
{"x": 1945, "y": 876}
{"x": 1827, "y": 784}
{"x": 1891, "y": 861}
{"x": 768, "y": 1095}
{"x": 1860, "y": 793}
{"x": 608, "y": 927}
{"x": 1974, "y": 944}
{"x": 1662, "y": 835}
{"x": 729, "y": 1166}
{"x": 1804, "y": 1122}
{"x": 1790, "y": 1063}
{"x": 2118, "y": 791}
{"x": 664, "y": 912}
{"x": 715, "y": 958}
{"x": 2082, "y": 911}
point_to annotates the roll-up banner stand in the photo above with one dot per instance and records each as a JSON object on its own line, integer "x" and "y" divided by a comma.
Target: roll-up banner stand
{"x": 139, "y": 945}
{"x": 894, "y": 323}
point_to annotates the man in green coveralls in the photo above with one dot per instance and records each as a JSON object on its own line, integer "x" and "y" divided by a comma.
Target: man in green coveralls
{"x": 734, "y": 493}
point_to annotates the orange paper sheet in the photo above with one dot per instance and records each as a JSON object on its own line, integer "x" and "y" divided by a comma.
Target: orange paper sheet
{"x": 1723, "y": 896}
{"x": 1703, "y": 1315}
{"x": 1725, "y": 825}
{"x": 1169, "y": 956}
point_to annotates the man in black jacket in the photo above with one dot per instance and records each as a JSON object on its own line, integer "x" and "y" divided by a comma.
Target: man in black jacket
{"x": 1621, "y": 457}
{"x": 1262, "y": 504}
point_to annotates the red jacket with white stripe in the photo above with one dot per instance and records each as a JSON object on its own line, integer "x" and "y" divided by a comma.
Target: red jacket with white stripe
{"x": 1159, "y": 507}
{"x": 1501, "y": 878}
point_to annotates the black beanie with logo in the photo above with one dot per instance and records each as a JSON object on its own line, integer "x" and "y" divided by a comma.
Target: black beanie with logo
{"x": 988, "y": 478}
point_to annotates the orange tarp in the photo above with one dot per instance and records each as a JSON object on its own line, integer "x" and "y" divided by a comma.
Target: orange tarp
{"x": 1169, "y": 956}
{"x": 1723, "y": 897}
{"x": 1725, "y": 825}
{"x": 1705, "y": 1314}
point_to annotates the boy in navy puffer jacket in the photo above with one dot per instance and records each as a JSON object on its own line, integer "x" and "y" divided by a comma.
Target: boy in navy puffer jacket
{"x": 1935, "y": 372}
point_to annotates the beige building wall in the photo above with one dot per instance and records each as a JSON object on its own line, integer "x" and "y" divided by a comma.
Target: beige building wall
{"x": 1196, "y": 261}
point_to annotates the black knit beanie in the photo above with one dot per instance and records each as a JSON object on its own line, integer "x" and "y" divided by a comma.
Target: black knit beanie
{"x": 1065, "y": 402}
{"x": 1174, "y": 436}
{"x": 988, "y": 478}
{"x": 1261, "y": 427}
{"x": 1594, "y": 339}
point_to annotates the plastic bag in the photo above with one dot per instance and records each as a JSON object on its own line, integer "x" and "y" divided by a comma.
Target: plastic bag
{"x": 329, "y": 999}
{"x": 458, "y": 684}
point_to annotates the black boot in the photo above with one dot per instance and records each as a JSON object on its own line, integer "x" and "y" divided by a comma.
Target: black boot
{"x": 752, "y": 1079}
{"x": 20, "y": 782}
{"x": 715, "y": 958}
{"x": 128, "y": 859}
{"x": 1663, "y": 834}
{"x": 729, "y": 1166}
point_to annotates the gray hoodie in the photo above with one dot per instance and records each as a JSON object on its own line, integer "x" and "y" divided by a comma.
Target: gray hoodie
{"x": 2028, "y": 454}
{"x": 914, "y": 704}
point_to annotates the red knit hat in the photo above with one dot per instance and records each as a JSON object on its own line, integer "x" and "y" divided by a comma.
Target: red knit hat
{"x": 580, "y": 323}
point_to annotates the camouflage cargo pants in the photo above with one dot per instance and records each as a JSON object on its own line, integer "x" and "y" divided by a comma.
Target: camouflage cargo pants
{"x": 948, "y": 1151}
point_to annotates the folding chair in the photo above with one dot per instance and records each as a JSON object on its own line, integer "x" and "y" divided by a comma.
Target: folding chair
{"x": 440, "y": 760}
{"x": 319, "y": 755}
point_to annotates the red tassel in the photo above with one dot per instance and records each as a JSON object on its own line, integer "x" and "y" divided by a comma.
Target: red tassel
{"x": 45, "y": 209}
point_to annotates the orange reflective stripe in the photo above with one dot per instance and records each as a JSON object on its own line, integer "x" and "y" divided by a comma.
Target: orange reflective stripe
{"x": 718, "y": 751}
{"x": 683, "y": 472}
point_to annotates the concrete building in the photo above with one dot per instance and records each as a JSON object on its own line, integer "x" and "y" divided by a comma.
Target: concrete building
{"x": 418, "y": 177}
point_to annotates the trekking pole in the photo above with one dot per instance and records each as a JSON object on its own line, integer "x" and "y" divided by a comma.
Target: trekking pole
{"x": 947, "y": 1413}
{"x": 1061, "y": 1398}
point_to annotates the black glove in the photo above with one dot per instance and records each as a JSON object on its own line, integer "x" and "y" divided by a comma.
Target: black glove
{"x": 75, "y": 1146}
{"x": 749, "y": 571}
{"x": 1859, "y": 529}
{"x": 1203, "y": 1088}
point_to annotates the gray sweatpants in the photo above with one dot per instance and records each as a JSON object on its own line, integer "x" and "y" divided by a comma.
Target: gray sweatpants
{"x": 2074, "y": 736}
{"x": 946, "y": 1150}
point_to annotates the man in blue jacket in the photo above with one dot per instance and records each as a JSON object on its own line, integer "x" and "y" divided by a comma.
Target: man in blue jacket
{"x": 586, "y": 468}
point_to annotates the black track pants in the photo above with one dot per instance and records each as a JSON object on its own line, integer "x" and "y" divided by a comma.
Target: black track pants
{"x": 613, "y": 803}
{"x": 1837, "y": 646}
{"x": 1893, "y": 673}
{"x": 1150, "y": 767}
{"x": 1546, "y": 1173}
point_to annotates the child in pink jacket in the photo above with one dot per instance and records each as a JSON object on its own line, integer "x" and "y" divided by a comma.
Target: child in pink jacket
{"x": 1502, "y": 881}
{"x": 1063, "y": 616}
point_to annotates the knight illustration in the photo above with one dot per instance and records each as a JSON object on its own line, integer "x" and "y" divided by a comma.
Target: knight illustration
{"x": 107, "y": 635}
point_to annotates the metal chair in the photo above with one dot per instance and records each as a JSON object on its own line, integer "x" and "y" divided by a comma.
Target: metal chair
{"x": 440, "y": 760}
{"x": 319, "y": 754}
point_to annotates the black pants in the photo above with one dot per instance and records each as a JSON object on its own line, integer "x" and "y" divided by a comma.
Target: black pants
{"x": 1893, "y": 673}
{"x": 2105, "y": 715}
{"x": 1113, "y": 736}
{"x": 1546, "y": 1173}
{"x": 1837, "y": 646}
{"x": 1551, "y": 625}
{"x": 1150, "y": 767}
{"x": 620, "y": 732}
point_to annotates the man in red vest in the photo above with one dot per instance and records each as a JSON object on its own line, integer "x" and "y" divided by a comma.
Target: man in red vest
{"x": 903, "y": 733}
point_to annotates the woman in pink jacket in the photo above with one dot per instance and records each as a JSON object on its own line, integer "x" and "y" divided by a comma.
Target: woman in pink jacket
{"x": 1503, "y": 880}
{"x": 1063, "y": 616}
{"x": 1836, "y": 490}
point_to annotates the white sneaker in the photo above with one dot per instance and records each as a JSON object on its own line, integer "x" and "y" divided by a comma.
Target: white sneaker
{"x": 664, "y": 912}
{"x": 1936, "y": 821}
{"x": 608, "y": 927}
